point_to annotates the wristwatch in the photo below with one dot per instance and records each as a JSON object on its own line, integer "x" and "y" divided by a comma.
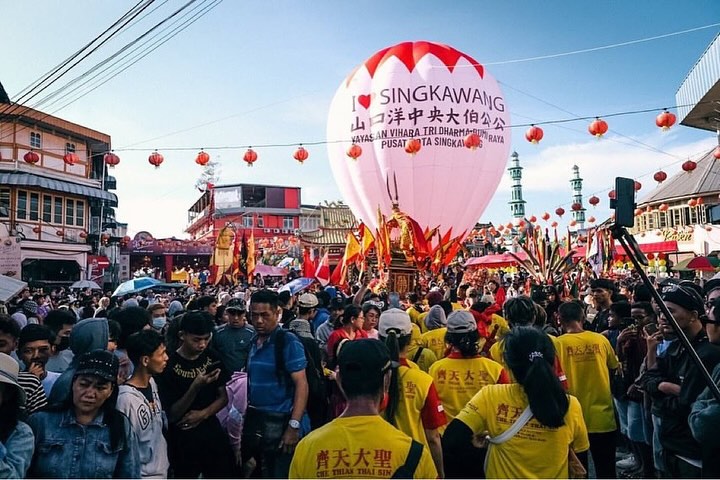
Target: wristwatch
{"x": 294, "y": 424}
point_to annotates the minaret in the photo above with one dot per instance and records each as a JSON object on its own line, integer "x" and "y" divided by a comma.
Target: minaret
{"x": 517, "y": 204}
{"x": 576, "y": 184}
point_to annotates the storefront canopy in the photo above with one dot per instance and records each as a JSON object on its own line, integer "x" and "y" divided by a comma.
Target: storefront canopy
{"x": 9, "y": 287}
{"x": 495, "y": 261}
{"x": 669, "y": 246}
{"x": 45, "y": 183}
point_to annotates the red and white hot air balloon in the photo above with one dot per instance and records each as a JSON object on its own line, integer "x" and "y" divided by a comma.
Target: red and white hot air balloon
{"x": 437, "y": 96}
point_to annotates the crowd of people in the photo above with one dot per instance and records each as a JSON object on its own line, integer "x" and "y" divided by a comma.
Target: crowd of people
{"x": 463, "y": 381}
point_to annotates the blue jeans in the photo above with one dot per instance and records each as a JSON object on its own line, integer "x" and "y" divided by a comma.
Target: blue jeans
{"x": 658, "y": 458}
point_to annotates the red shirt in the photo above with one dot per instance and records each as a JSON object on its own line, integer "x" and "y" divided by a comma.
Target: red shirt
{"x": 336, "y": 336}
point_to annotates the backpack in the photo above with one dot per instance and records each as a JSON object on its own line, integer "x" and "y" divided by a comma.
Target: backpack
{"x": 317, "y": 403}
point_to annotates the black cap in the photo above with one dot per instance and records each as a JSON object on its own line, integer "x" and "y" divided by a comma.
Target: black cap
{"x": 711, "y": 285}
{"x": 363, "y": 359}
{"x": 336, "y": 303}
{"x": 604, "y": 283}
{"x": 99, "y": 363}
{"x": 685, "y": 297}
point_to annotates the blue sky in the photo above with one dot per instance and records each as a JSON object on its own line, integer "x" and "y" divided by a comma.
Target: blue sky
{"x": 265, "y": 72}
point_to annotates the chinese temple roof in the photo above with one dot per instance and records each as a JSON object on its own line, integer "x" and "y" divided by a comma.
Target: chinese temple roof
{"x": 704, "y": 180}
{"x": 336, "y": 220}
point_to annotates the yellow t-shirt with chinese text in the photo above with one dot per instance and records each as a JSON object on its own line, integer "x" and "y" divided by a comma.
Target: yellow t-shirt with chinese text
{"x": 435, "y": 341}
{"x": 414, "y": 385}
{"x": 586, "y": 359}
{"x": 356, "y": 447}
{"x": 421, "y": 322}
{"x": 536, "y": 451}
{"x": 458, "y": 379}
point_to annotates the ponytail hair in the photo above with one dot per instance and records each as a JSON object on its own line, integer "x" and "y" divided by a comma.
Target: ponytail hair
{"x": 530, "y": 355}
{"x": 393, "y": 346}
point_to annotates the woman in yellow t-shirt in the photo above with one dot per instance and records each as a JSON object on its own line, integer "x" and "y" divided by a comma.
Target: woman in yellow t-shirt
{"x": 434, "y": 337}
{"x": 464, "y": 371}
{"x": 413, "y": 403}
{"x": 540, "y": 448}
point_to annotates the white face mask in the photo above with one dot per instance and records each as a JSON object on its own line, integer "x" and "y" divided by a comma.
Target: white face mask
{"x": 159, "y": 322}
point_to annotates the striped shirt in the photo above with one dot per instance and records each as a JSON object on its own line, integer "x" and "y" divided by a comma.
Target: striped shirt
{"x": 35, "y": 398}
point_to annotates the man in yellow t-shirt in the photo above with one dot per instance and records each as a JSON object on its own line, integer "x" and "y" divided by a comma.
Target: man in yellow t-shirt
{"x": 587, "y": 358}
{"x": 360, "y": 443}
{"x": 418, "y": 354}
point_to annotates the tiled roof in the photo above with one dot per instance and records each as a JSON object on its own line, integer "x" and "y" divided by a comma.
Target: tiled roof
{"x": 704, "y": 180}
{"x": 336, "y": 220}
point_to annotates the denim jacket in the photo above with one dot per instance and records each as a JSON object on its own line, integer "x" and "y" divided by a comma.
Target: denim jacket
{"x": 67, "y": 449}
{"x": 16, "y": 453}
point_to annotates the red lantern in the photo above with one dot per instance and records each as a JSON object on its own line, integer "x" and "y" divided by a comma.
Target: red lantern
{"x": 533, "y": 219}
{"x": 716, "y": 153}
{"x": 301, "y": 154}
{"x": 708, "y": 228}
{"x": 660, "y": 176}
{"x": 126, "y": 239}
{"x": 573, "y": 223}
{"x": 31, "y": 157}
{"x": 638, "y": 212}
{"x": 554, "y": 224}
{"x": 638, "y": 186}
{"x": 111, "y": 159}
{"x": 355, "y": 151}
{"x": 689, "y": 166}
{"x": 576, "y": 207}
{"x": 36, "y": 229}
{"x": 546, "y": 216}
{"x": 591, "y": 219}
{"x": 664, "y": 207}
{"x": 250, "y": 157}
{"x": 500, "y": 228}
{"x": 534, "y": 134}
{"x": 560, "y": 212}
{"x": 648, "y": 209}
{"x": 593, "y": 200}
{"x": 70, "y": 158}
{"x": 509, "y": 226}
{"x": 60, "y": 233}
{"x": 105, "y": 237}
{"x": 665, "y": 120}
{"x": 699, "y": 201}
{"x": 473, "y": 141}
{"x": 612, "y": 195}
{"x": 598, "y": 128}
{"x": 412, "y": 146}
{"x": 82, "y": 234}
{"x": 202, "y": 158}
{"x": 521, "y": 224}
{"x": 156, "y": 159}
{"x": 692, "y": 202}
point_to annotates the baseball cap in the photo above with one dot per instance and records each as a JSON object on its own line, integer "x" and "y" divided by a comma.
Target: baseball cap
{"x": 99, "y": 363}
{"x": 9, "y": 371}
{"x": 363, "y": 359}
{"x": 394, "y": 319}
{"x": 30, "y": 306}
{"x": 461, "y": 321}
{"x": 237, "y": 305}
{"x": 307, "y": 300}
{"x": 685, "y": 297}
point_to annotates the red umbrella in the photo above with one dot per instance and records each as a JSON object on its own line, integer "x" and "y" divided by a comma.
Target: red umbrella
{"x": 701, "y": 263}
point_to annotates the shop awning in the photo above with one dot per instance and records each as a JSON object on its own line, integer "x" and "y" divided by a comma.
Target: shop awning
{"x": 669, "y": 246}
{"x": 45, "y": 183}
{"x": 495, "y": 261}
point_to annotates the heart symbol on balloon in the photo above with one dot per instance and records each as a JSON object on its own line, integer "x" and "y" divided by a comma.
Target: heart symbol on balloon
{"x": 364, "y": 100}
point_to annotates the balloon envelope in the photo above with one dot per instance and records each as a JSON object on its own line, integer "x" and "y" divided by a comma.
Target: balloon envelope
{"x": 438, "y": 95}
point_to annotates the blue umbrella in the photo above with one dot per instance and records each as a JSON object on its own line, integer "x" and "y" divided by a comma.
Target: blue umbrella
{"x": 297, "y": 285}
{"x": 135, "y": 285}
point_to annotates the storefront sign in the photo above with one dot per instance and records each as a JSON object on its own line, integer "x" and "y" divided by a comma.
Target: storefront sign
{"x": 671, "y": 235}
{"x": 10, "y": 263}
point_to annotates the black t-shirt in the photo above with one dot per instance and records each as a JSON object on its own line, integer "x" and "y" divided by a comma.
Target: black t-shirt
{"x": 179, "y": 374}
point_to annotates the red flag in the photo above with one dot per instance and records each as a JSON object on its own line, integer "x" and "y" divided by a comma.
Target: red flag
{"x": 309, "y": 265}
{"x": 323, "y": 271}
{"x": 338, "y": 275}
